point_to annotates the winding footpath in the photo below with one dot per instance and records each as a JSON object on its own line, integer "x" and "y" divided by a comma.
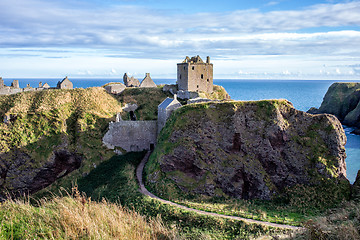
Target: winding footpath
{"x": 143, "y": 190}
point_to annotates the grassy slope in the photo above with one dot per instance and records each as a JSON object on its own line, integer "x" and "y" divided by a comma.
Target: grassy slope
{"x": 46, "y": 121}
{"x": 52, "y": 117}
{"x": 77, "y": 217}
{"x": 76, "y": 120}
{"x": 295, "y": 206}
{"x": 115, "y": 180}
{"x": 148, "y": 100}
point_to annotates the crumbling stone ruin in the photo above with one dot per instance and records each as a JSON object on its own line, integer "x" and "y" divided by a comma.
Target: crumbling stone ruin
{"x": 195, "y": 75}
{"x": 147, "y": 82}
{"x": 15, "y": 87}
{"x": 65, "y": 84}
{"x": 15, "y": 84}
{"x": 138, "y": 135}
{"x": 115, "y": 88}
{"x": 130, "y": 81}
{"x": 131, "y": 136}
{"x": 45, "y": 86}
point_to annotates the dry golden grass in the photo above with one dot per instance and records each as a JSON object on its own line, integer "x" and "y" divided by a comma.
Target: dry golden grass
{"x": 77, "y": 217}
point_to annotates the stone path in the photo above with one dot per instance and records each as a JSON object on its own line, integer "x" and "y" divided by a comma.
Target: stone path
{"x": 143, "y": 190}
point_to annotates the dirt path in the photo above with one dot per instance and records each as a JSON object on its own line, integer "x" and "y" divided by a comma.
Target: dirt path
{"x": 139, "y": 175}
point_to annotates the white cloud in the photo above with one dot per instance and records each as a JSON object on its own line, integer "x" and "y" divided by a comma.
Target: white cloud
{"x": 60, "y": 35}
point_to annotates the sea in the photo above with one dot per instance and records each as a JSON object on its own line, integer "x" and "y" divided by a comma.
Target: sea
{"x": 303, "y": 94}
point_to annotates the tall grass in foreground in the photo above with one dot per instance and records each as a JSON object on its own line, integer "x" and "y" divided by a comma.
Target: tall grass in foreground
{"x": 77, "y": 217}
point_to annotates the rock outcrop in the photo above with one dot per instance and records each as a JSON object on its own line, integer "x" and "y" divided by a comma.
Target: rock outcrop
{"x": 355, "y": 193}
{"x": 49, "y": 134}
{"x": 19, "y": 178}
{"x": 246, "y": 150}
{"x": 343, "y": 101}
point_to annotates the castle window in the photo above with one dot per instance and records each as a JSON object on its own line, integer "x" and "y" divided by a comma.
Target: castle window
{"x": 202, "y": 76}
{"x": 208, "y": 80}
{"x": 184, "y": 67}
{"x": 193, "y": 68}
{"x": 197, "y": 86}
{"x": 180, "y": 76}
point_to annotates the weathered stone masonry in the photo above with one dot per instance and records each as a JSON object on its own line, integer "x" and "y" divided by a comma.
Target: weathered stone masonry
{"x": 195, "y": 75}
{"x": 131, "y": 136}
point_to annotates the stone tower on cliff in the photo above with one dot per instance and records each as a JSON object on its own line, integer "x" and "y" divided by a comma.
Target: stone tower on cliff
{"x": 195, "y": 75}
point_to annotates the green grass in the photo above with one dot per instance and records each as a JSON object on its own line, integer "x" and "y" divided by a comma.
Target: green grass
{"x": 147, "y": 99}
{"x": 77, "y": 217}
{"x": 47, "y": 121}
{"x": 293, "y": 205}
{"x": 115, "y": 180}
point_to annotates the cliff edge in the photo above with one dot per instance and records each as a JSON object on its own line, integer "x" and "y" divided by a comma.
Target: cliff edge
{"x": 46, "y": 135}
{"x": 343, "y": 101}
{"x": 245, "y": 150}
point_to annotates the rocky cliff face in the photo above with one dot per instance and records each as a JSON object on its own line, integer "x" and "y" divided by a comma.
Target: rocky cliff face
{"x": 19, "y": 177}
{"x": 50, "y": 134}
{"x": 246, "y": 150}
{"x": 343, "y": 101}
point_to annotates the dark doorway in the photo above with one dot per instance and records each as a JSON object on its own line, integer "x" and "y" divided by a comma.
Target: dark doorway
{"x": 132, "y": 116}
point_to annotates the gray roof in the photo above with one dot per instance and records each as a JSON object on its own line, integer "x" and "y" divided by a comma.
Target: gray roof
{"x": 166, "y": 103}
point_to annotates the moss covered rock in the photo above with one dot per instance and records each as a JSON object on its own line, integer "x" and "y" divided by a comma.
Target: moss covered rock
{"x": 50, "y": 134}
{"x": 246, "y": 150}
{"x": 343, "y": 101}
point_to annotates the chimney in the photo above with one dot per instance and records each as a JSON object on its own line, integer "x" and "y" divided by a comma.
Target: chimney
{"x": 175, "y": 97}
{"x": 147, "y": 75}
{"x": 208, "y": 60}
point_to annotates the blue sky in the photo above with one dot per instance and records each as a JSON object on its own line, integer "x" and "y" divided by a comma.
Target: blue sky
{"x": 283, "y": 39}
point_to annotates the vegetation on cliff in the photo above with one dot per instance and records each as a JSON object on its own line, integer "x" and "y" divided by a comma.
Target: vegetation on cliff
{"x": 148, "y": 100}
{"x": 115, "y": 181}
{"x": 343, "y": 101}
{"x": 62, "y": 130}
{"x": 219, "y": 93}
{"x": 215, "y": 152}
{"x": 51, "y": 133}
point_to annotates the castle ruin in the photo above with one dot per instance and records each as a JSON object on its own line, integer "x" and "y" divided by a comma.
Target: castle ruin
{"x": 147, "y": 82}
{"x": 130, "y": 81}
{"x": 65, "y": 84}
{"x": 194, "y": 75}
{"x": 15, "y": 86}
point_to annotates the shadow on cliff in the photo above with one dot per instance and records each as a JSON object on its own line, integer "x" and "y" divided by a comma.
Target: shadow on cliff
{"x": 27, "y": 168}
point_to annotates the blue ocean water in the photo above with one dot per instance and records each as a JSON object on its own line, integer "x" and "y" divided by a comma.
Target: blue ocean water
{"x": 304, "y": 94}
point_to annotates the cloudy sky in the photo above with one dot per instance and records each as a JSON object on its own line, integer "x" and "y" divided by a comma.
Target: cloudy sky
{"x": 281, "y": 39}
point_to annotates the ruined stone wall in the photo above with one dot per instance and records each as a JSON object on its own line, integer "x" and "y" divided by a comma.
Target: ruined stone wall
{"x": 10, "y": 90}
{"x": 115, "y": 88}
{"x": 132, "y": 136}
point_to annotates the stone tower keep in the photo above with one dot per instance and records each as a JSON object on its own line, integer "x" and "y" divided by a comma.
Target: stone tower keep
{"x": 195, "y": 75}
